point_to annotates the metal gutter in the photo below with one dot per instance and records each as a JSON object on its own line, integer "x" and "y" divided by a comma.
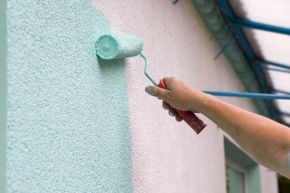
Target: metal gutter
{"x": 222, "y": 32}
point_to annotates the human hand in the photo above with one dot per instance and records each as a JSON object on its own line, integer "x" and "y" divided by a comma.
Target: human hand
{"x": 178, "y": 95}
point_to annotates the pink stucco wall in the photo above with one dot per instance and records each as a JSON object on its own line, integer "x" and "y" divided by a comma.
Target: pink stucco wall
{"x": 168, "y": 156}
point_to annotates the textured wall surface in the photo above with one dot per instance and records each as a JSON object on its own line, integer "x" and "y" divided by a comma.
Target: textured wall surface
{"x": 3, "y": 93}
{"x": 168, "y": 156}
{"x": 68, "y": 114}
{"x": 68, "y": 128}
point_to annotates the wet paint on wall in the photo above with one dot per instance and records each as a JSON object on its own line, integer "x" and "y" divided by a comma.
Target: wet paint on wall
{"x": 68, "y": 128}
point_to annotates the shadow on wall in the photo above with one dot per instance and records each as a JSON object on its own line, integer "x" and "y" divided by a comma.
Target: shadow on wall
{"x": 284, "y": 184}
{"x": 108, "y": 66}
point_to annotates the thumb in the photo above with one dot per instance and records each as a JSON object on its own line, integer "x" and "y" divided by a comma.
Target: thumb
{"x": 157, "y": 92}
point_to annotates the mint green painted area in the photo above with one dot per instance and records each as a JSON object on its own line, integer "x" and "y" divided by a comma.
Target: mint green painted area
{"x": 118, "y": 46}
{"x": 234, "y": 155}
{"x": 3, "y": 93}
{"x": 68, "y": 124}
{"x": 235, "y": 181}
{"x": 253, "y": 179}
{"x": 213, "y": 20}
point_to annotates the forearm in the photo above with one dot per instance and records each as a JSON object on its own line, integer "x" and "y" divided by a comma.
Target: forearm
{"x": 266, "y": 141}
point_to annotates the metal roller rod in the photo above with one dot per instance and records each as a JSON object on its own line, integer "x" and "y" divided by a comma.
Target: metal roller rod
{"x": 249, "y": 95}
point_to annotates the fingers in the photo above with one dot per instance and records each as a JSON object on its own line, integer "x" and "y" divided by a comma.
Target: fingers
{"x": 165, "y": 105}
{"x": 157, "y": 92}
{"x": 178, "y": 119}
{"x": 172, "y": 112}
{"x": 160, "y": 92}
{"x": 165, "y": 95}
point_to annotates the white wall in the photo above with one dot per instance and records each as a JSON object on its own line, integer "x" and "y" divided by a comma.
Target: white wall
{"x": 269, "y": 180}
{"x": 168, "y": 156}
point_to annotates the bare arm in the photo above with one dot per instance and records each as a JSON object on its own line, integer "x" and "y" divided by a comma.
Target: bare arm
{"x": 266, "y": 141}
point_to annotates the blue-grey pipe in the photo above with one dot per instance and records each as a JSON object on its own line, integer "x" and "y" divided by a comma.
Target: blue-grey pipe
{"x": 261, "y": 26}
{"x": 249, "y": 95}
{"x": 267, "y": 62}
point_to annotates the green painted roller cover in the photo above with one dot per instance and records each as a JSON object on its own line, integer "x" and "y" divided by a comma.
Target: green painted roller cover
{"x": 118, "y": 46}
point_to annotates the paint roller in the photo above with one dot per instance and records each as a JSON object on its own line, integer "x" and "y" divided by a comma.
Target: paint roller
{"x": 121, "y": 46}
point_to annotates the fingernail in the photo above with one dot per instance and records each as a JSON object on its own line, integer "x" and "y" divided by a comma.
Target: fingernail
{"x": 150, "y": 91}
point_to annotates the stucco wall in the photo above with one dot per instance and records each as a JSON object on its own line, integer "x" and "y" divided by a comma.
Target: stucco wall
{"x": 269, "y": 180}
{"x": 70, "y": 115}
{"x": 168, "y": 156}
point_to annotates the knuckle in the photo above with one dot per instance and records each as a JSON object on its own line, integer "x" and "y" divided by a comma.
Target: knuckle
{"x": 170, "y": 82}
{"x": 157, "y": 93}
{"x": 166, "y": 96}
{"x": 168, "y": 79}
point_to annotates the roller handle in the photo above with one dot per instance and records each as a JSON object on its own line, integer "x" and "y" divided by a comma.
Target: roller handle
{"x": 189, "y": 117}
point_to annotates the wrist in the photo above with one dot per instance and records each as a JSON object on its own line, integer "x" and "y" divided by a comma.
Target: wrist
{"x": 200, "y": 101}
